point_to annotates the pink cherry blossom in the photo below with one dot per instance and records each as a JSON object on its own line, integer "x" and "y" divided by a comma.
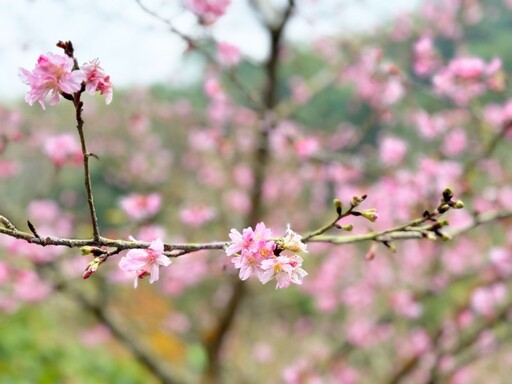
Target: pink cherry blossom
{"x": 256, "y": 253}
{"x": 404, "y": 304}
{"x": 96, "y": 80}
{"x": 501, "y": 258}
{"x": 197, "y": 216}
{"x": 300, "y": 90}
{"x": 485, "y": 300}
{"x": 426, "y": 59}
{"x": 4, "y": 273}
{"x": 52, "y": 75}
{"x": 418, "y": 343}
{"x": 455, "y": 142}
{"x": 263, "y": 352}
{"x": 140, "y": 207}
{"x": 208, "y": 11}
{"x": 29, "y": 287}
{"x": 465, "y": 78}
{"x": 228, "y": 54}
{"x": 8, "y": 168}
{"x": 293, "y": 241}
{"x": 285, "y": 269}
{"x": 239, "y": 241}
{"x": 375, "y": 80}
{"x": 144, "y": 262}
{"x": 63, "y": 148}
{"x": 307, "y": 146}
{"x": 248, "y": 263}
{"x": 44, "y": 210}
{"x": 392, "y": 151}
{"x": 213, "y": 89}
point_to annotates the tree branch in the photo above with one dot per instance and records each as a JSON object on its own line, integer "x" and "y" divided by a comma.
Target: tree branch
{"x": 252, "y": 99}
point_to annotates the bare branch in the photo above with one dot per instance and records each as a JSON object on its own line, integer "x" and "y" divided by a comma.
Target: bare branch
{"x": 251, "y": 98}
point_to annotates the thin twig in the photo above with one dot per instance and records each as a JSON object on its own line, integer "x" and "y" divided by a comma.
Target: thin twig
{"x": 329, "y": 225}
{"x": 7, "y": 224}
{"x": 416, "y": 233}
{"x": 251, "y": 98}
{"x": 488, "y": 149}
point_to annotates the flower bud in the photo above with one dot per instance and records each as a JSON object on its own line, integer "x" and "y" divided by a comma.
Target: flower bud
{"x": 447, "y": 195}
{"x": 347, "y": 227}
{"x": 445, "y": 237}
{"x": 370, "y": 214}
{"x": 458, "y": 204}
{"x": 338, "y": 205}
{"x": 356, "y": 200}
{"x": 86, "y": 251}
{"x": 92, "y": 267}
{"x": 370, "y": 255}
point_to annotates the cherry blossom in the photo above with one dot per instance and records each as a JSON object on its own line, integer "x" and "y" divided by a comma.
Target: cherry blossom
{"x": 52, "y": 75}
{"x": 144, "y": 262}
{"x": 228, "y": 54}
{"x": 63, "y": 148}
{"x": 392, "y": 151}
{"x": 197, "y": 216}
{"x": 140, "y": 207}
{"x": 426, "y": 60}
{"x": 256, "y": 253}
{"x": 465, "y": 78}
{"x": 485, "y": 300}
{"x": 286, "y": 270}
{"x": 96, "y": 80}
{"x": 293, "y": 241}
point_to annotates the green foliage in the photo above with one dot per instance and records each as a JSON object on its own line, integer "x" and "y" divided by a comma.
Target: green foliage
{"x": 36, "y": 347}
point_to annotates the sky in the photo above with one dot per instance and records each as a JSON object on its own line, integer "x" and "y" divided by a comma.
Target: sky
{"x": 136, "y": 49}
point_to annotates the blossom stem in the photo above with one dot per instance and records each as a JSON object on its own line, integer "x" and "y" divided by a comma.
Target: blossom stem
{"x": 328, "y": 226}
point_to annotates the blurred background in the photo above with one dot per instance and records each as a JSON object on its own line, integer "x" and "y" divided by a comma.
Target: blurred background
{"x": 355, "y": 114}
{"x": 138, "y": 50}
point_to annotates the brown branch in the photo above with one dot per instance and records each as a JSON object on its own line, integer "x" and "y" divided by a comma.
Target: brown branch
{"x": 120, "y": 245}
{"x": 404, "y": 232}
{"x": 260, "y": 163}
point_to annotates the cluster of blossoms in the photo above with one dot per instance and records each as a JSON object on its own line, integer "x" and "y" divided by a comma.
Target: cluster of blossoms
{"x": 145, "y": 262}
{"x": 56, "y": 74}
{"x": 375, "y": 80}
{"x": 465, "y": 78}
{"x": 257, "y": 253}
